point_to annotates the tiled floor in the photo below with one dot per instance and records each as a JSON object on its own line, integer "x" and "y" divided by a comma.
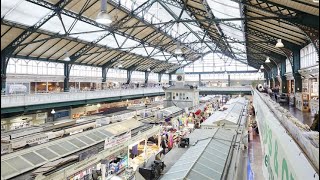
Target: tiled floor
{"x": 255, "y": 157}
{"x": 304, "y": 117}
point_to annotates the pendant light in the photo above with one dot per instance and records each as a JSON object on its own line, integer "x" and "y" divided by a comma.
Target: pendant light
{"x": 148, "y": 69}
{"x": 279, "y": 44}
{"x": 259, "y": 71}
{"x": 103, "y": 17}
{"x": 98, "y": 105}
{"x": 261, "y": 67}
{"x": 120, "y": 65}
{"x": 178, "y": 49}
{"x": 268, "y": 60}
{"x": 53, "y": 111}
{"x": 167, "y": 71}
{"x": 66, "y": 58}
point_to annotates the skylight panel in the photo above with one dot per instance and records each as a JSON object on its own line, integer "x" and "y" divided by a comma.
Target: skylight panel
{"x": 55, "y": 25}
{"x": 30, "y": 12}
{"x": 83, "y": 27}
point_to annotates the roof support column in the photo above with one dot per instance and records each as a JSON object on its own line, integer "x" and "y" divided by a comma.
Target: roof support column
{"x": 283, "y": 77}
{"x": 170, "y": 79}
{"x": 229, "y": 80}
{"x": 159, "y": 77}
{"x": 129, "y": 74}
{"x": 146, "y": 77}
{"x": 67, "y": 69}
{"x": 295, "y": 68}
{"x": 199, "y": 80}
{"x": 4, "y": 64}
{"x": 104, "y": 74}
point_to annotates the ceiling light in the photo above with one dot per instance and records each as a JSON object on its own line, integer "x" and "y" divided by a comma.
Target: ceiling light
{"x": 279, "y": 44}
{"x": 67, "y": 58}
{"x": 167, "y": 71}
{"x": 148, "y": 69}
{"x": 53, "y": 111}
{"x": 178, "y": 50}
{"x": 261, "y": 67}
{"x": 103, "y": 17}
{"x": 120, "y": 66}
{"x": 268, "y": 60}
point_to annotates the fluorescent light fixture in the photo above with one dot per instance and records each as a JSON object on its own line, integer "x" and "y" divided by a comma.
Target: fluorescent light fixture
{"x": 53, "y": 111}
{"x": 268, "y": 60}
{"x": 103, "y": 17}
{"x": 279, "y": 44}
{"x": 261, "y": 67}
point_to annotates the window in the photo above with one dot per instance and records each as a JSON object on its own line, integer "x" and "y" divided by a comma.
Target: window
{"x": 23, "y": 66}
{"x": 308, "y": 56}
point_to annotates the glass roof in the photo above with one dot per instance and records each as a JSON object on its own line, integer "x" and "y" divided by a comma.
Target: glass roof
{"x": 218, "y": 62}
{"x": 13, "y": 10}
{"x": 228, "y": 9}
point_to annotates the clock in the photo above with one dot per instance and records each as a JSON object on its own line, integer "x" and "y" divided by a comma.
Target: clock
{"x": 179, "y": 78}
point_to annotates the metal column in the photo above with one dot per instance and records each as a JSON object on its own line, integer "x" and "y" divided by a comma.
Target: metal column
{"x": 283, "y": 77}
{"x": 295, "y": 68}
{"x": 146, "y": 77}
{"x": 104, "y": 74}
{"x": 67, "y": 68}
{"x": 159, "y": 77}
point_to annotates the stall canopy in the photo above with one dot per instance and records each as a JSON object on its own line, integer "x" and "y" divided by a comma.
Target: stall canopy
{"x": 205, "y": 160}
{"x": 25, "y": 160}
{"x": 229, "y": 116}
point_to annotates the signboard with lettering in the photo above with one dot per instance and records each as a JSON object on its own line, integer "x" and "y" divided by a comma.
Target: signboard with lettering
{"x": 113, "y": 141}
{"x": 39, "y": 139}
{"x": 282, "y": 158}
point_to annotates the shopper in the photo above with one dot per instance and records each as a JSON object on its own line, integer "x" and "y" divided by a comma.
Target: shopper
{"x": 164, "y": 144}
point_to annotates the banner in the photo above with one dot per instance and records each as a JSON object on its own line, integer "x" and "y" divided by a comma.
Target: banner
{"x": 114, "y": 141}
{"x": 282, "y": 158}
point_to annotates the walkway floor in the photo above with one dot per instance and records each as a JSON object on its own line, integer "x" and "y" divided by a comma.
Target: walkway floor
{"x": 255, "y": 157}
{"x": 304, "y": 117}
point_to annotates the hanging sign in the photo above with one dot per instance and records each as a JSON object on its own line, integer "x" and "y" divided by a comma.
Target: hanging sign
{"x": 113, "y": 141}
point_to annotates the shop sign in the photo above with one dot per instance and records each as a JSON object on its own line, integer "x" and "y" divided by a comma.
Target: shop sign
{"x": 61, "y": 114}
{"x": 41, "y": 116}
{"x": 113, "y": 141}
{"x": 38, "y": 139}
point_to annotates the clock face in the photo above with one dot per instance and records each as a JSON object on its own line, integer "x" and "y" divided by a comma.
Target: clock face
{"x": 179, "y": 78}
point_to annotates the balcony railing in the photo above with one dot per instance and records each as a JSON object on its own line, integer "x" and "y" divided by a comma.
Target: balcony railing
{"x": 17, "y": 100}
{"x": 35, "y": 99}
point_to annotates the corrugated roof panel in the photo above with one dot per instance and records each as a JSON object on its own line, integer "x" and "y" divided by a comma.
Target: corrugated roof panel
{"x": 33, "y": 158}
{"x": 17, "y": 163}
{"x": 47, "y": 153}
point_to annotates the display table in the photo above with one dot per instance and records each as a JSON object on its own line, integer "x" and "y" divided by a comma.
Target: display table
{"x": 143, "y": 157}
